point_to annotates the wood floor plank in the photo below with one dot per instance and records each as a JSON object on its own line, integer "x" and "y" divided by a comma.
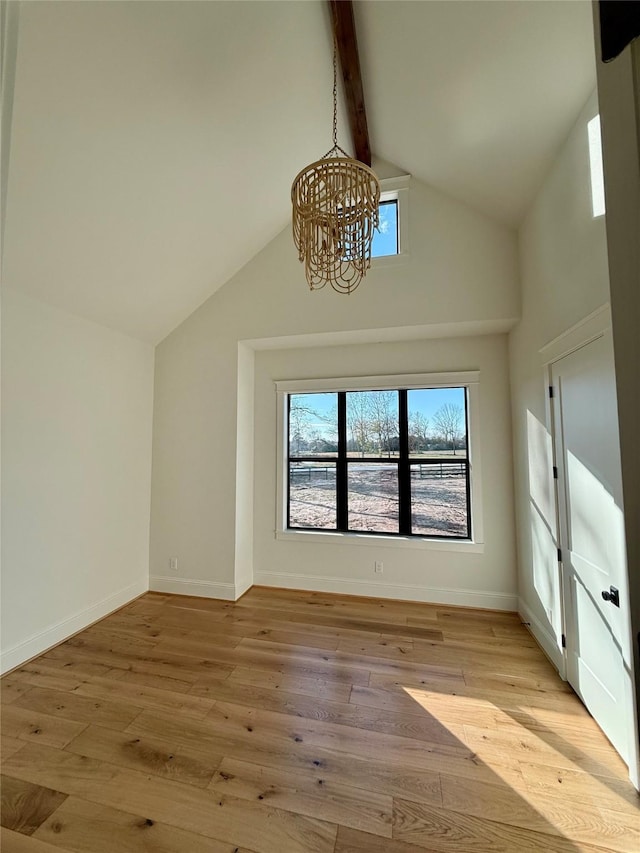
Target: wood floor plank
{"x": 295, "y": 638}
{"x": 140, "y": 696}
{"x": 382, "y": 776}
{"x": 25, "y": 805}
{"x": 76, "y": 666}
{"x": 353, "y": 663}
{"x": 580, "y": 787}
{"x": 444, "y": 831}
{"x": 70, "y": 706}
{"x": 418, "y": 726}
{"x": 504, "y": 698}
{"x": 60, "y": 770}
{"x": 154, "y": 662}
{"x": 251, "y": 726}
{"x": 442, "y": 709}
{"x": 276, "y": 698}
{"x": 16, "y": 842}
{"x": 149, "y": 755}
{"x": 25, "y": 724}
{"x": 12, "y": 689}
{"x": 305, "y": 662}
{"x": 37, "y": 675}
{"x": 549, "y": 815}
{"x": 247, "y": 824}
{"x": 292, "y": 683}
{"x": 158, "y": 680}
{"x": 298, "y": 793}
{"x": 354, "y": 841}
{"x": 89, "y": 828}
{"x": 9, "y": 746}
{"x": 292, "y": 721}
{"x": 551, "y": 750}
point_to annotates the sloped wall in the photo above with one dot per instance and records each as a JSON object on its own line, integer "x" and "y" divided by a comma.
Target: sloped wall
{"x": 461, "y": 275}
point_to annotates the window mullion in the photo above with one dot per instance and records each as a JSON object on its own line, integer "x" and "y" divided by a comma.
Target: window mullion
{"x": 341, "y": 464}
{"x": 404, "y": 471}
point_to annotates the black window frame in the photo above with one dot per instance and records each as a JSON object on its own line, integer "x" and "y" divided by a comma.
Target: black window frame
{"x": 404, "y": 463}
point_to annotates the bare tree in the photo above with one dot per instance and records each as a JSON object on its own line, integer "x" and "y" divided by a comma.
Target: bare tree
{"x": 448, "y": 421}
{"x": 382, "y": 408}
{"x": 303, "y": 425}
{"x": 299, "y": 425}
{"x": 418, "y": 431}
{"x": 358, "y": 420}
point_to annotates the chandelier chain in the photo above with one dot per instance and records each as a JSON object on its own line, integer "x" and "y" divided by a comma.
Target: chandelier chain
{"x": 335, "y": 90}
{"x": 335, "y": 212}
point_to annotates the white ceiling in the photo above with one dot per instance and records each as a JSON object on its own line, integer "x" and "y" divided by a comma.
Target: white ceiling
{"x": 154, "y": 143}
{"x": 475, "y": 98}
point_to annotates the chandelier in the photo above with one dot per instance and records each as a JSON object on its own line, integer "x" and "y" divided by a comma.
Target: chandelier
{"x": 335, "y": 213}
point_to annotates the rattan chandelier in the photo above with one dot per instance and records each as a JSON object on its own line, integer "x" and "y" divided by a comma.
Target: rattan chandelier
{"x": 335, "y": 213}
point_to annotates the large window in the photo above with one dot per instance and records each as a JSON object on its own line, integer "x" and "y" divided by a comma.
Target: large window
{"x": 390, "y": 461}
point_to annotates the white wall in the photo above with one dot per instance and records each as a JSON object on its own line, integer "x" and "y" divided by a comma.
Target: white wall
{"x": 619, "y": 93}
{"x": 461, "y": 275}
{"x": 433, "y": 572}
{"x": 76, "y": 453}
{"x": 564, "y": 278}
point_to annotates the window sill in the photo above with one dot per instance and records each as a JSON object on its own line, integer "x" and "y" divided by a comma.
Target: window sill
{"x": 390, "y": 260}
{"x": 380, "y": 541}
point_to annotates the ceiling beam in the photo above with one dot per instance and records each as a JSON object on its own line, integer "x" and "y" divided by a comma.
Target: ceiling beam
{"x": 345, "y": 30}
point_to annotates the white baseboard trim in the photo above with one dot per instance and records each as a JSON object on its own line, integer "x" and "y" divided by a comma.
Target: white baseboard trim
{"x": 543, "y": 636}
{"x": 402, "y": 592}
{"x": 61, "y": 631}
{"x": 188, "y": 586}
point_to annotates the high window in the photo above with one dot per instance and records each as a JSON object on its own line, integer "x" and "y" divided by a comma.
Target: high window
{"x": 386, "y": 240}
{"x": 391, "y": 461}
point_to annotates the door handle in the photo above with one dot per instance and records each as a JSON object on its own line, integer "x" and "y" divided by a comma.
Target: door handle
{"x": 611, "y": 595}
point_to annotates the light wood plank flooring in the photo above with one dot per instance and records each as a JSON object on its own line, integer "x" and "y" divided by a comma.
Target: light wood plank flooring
{"x": 302, "y": 722}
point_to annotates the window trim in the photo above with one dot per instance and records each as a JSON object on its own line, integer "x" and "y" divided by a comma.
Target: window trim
{"x": 468, "y": 379}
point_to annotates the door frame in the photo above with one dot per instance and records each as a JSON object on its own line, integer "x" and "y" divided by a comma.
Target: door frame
{"x": 592, "y": 327}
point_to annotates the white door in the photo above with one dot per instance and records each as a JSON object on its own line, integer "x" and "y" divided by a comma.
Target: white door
{"x": 592, "y": 535}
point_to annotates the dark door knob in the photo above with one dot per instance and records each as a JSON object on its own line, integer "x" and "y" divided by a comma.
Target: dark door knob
{"x": 611, "y": 595}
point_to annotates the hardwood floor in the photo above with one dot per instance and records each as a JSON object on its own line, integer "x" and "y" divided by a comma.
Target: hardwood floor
{"x": 294, "y": 721}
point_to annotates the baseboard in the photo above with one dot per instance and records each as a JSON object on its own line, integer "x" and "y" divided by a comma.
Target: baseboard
{"x": 543, "y": 636}
{"x": 61, "y": 631}
{"x": 401, "y": 592}
{"x": 188, "y": 586}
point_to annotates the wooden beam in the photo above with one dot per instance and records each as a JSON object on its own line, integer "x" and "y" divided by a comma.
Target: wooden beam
{"x": 345, "y": 30}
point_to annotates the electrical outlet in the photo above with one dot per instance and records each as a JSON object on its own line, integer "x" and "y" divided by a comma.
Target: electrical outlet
{"x": 378, "y": 567}
{"x": 173, "y": 564}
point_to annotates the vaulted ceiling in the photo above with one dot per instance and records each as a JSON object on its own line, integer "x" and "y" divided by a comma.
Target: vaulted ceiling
{"x": 154, "y": 143}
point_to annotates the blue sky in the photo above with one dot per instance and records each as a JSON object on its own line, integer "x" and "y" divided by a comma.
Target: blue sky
{"x": 385, "y": 239}
{"x": 426, "y": 401}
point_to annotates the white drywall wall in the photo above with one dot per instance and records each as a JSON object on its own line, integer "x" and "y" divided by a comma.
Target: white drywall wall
{"x": 461, "y": 273}
{"x": 564, "y": 275}
{"x": 619, "y": 94}
{"x": 76, "y": 455}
